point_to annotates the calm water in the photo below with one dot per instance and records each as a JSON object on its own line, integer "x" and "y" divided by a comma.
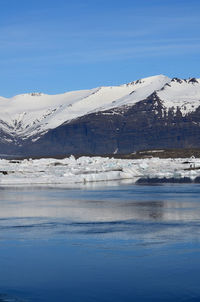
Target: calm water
{"x": 116, "y": 243}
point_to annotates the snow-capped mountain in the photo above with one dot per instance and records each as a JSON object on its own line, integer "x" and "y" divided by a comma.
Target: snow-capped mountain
{"x": 31, "y": 121}
{"x": 31, "y": 114}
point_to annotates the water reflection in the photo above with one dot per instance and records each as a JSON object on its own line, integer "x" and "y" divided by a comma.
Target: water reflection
{"x": 156, "y": 214}
{"x": 100, "y": 244}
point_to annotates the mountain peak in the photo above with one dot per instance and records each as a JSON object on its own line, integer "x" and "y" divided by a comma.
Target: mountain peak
{"x": 150, "y": 79}
{"x": 190, "y": 80}
{"x": 177, "y": 80}
{"x": 44, "y": 112}
{"x": 193, "y": 80}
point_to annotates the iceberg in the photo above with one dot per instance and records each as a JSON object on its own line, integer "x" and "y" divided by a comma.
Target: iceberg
{"x": 95, "y": 169}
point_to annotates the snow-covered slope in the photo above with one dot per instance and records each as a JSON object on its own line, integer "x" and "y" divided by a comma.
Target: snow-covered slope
{"x": 184, "y": 94}
{"x": 30, "y": 115}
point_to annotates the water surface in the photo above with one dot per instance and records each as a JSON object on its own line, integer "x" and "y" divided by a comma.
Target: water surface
{"x": 100, "y": 243}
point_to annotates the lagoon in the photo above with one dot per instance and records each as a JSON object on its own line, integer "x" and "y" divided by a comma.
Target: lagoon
{"x": 104, "y": 242}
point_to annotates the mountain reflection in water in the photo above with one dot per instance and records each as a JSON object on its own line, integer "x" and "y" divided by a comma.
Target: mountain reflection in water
{"x": 131, "y": 212}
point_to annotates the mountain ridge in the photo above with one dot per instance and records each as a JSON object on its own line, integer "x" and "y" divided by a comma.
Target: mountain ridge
{"x": 34, "y": 122}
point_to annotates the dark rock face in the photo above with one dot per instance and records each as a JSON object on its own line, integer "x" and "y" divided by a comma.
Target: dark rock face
{"x": 6, "y": 144}
{"x": 123, "y": 130}
{"x": 193, "y": 80}
{"x": 145, "y": 125}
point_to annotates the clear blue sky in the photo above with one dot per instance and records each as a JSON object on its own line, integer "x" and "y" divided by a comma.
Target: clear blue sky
{"x": 54, "y": 46}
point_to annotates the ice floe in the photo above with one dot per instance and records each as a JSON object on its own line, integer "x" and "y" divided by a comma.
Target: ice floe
{"x": 94, "y": 169}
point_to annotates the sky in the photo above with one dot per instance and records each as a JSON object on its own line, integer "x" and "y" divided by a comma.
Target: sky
{"x": 53, "y": 46}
